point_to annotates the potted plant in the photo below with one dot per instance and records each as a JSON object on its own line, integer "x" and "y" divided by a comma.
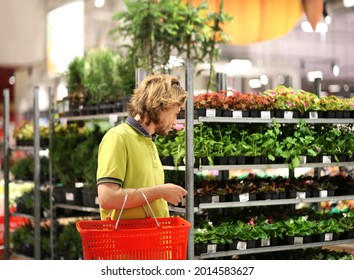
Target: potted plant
{"x": 189, "y": 31}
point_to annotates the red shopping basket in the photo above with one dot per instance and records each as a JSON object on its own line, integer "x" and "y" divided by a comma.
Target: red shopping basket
{"x": 140, "y": 239}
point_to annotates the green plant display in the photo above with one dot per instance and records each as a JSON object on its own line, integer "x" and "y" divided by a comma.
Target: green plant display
{"x": 69, "y": 244}
{"x": 158, "y": 29}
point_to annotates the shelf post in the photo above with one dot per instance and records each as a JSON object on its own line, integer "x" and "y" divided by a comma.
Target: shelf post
{"x": 317, "y": 171}
{"x": 36, "y": 179}
{"x": 189, "y": 142}
{"x": 6, "y": 151}
{"x": 50, "y": 167}
{"x": 140, "y": 74}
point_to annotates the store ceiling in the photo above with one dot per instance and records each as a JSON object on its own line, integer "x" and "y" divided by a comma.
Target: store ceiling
{"x": 22, "y": 42}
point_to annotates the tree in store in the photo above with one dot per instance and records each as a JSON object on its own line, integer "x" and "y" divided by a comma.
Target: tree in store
{"x": 157, "y": 29}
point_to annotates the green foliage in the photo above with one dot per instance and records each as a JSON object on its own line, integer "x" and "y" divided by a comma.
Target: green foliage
{"x": 69, "y": 244}
{"x": 23, "y": 241}
{"x": 23, "y": 168}
{"x": 156, "y": 29}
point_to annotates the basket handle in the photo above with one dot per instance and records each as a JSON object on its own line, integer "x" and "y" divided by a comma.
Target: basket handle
{"x": 147, "y": 202}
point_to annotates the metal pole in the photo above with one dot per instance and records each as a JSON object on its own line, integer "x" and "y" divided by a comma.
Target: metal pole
{"x": 6, "y": 151}
{"x": 51, "y": 129}
{"x": 288, "y": 81}
{"x": 189, "y": 142}
{"x": 221, "y": 81}
{"x": 36, "y": 179}
{"x": 318, "y": 86}
{"x": 140, "y": 74}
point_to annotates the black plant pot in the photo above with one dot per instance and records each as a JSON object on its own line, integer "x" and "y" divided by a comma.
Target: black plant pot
{"x": 220, "y": 160}
{"x": 200, "y": 248}
{"x": 90, "y": 198}
{"x": 293, "y": 240}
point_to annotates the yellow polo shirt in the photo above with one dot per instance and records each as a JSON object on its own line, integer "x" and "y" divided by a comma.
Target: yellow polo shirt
{"x": 128, "y": 157}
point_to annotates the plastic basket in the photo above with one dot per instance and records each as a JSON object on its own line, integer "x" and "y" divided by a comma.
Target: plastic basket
{"x": 140, "y": 239}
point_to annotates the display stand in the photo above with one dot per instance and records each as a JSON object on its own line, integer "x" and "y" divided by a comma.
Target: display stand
{"x": 36, "y": 178}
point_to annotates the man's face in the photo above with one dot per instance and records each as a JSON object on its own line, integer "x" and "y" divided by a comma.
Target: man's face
{"x": 168, "y": 120}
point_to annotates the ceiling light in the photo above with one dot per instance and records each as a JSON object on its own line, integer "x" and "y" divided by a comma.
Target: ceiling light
{"x": 238, "y": 66}
{"x": 334, "y": 88}
{"x": 99, "y": 3}
{"x": 264, "y": 79}
{"x": 348, "y": 3}
{"x": 335, "y": 70}
{"x": 254, "y": 83}
{"x": 312, "y": 75}
{"x": 12, "y": 80}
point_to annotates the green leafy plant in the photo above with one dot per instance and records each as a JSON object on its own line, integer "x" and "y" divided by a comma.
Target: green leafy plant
{"x": 156, "y": 29}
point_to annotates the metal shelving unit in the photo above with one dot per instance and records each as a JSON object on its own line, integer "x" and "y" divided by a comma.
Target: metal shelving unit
{"x": 189, "y": 169}
{"x": 7, "y": 152}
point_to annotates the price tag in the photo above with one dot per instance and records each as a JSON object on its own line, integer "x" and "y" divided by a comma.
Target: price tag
{"x": 96, "y": 201}
{"x": 298, "y": 240}
{"x": 66, "y": 106}
{"x": 215, "y": 198}
{"x": 326, "y": 159}
{"x": 183, "y": 202}
{"x": 113, "y": 118}
{"x": 211, "y": 248}
{"x": 302, "y": 159}
{"x": 244, "y": 197}
{"x": 265, "y": 242}
{"x": 313, "y": 115}
{"x": 288, "y": 114}
{"x": 265, "y": 114}
{"x": 237, "y": 114}
{"x": 324, "y": 193}
{"x": 241, "y": 245}
{"x": 210, "y": 113}
{"x": 69, "y": 196}
{"x": 301, "y": 194}
{"x": 63, "y": 122}
{"x": 328, "y": 236}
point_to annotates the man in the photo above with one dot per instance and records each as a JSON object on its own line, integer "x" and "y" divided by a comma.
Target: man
{"x": 128, "y": 161}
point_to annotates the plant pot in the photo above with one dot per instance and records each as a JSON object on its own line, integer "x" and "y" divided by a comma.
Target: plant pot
{"x": 240, "y": 160}
{"x": 200, "y": 248}
{"x": 264, "y": 195}
{"x": 212, "y": 112}
{"x": 90, "y": 198}
{"x": 254, "y": 113}
{"x": 231, "y": 160}
{"x": 237, "y": 114}
{"x": 323, "y": 237}
{"x": 295, "y": 240}
{"x": 221, "y": 160}
{"x": 199, "y": 113}
{"x": 254, "y": 160}
{"x": 330, "y": 114}
{"x": 73, "y": 196}
{"x": 348, "y": 234}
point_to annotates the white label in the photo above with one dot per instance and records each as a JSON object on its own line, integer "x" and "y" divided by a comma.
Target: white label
{"x": 244, "y": 197}
{"x": 324, "y": 193}
{"x": 211, "y": 248}
{"x": 328, "y": 236}
{"x": 301, "y": 194}
{"x": 210, "y": 112}
{"x": 288, "y": 114}
{"x": 298, "y": 240}
{"x": 237, "y": 114}
{"x": 66, "y": 106}
{"x": 241, "y": 245}
{"x": 63, "y": 122}
{"x": 113, "y": 118}
{"x": 215, "y": 198}
{"x": 313, "y": 115}
{"x": 69, "y": 196}
{"x": 265, "y": 114}
{"x": 265, "y": 242}
{"x": 302, "y": 159}
{"x": 96, "y": 200}
{"x": 326, "y": 159}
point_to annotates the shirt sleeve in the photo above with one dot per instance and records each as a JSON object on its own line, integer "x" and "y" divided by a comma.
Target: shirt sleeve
{"x": 112, "y": 159}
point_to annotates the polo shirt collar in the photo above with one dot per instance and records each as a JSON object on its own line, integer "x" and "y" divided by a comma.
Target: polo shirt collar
{"x": 137, "y": 126}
